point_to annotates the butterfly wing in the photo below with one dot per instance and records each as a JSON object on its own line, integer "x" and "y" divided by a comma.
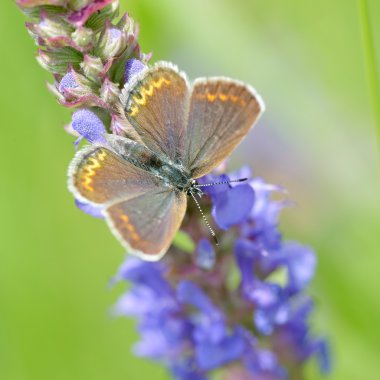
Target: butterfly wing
{"x": 146, "y": 224}
{"x": 155, "y": 103}
{"x": 98, "y": 175}
{"x": 221, "y": 113}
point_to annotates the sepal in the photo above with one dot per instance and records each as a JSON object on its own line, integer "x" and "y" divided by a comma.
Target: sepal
{"x": 57, "y": 61}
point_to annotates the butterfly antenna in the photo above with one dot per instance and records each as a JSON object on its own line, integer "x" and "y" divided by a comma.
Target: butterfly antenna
{"x": 205, "y": 219}
{"x": 221, "y": 183}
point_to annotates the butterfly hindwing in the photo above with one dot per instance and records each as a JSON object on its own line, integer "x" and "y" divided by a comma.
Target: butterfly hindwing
{"x": 221, "y": 113}
{"x": 146, "y": 224}
{"x": 99, "y": 175}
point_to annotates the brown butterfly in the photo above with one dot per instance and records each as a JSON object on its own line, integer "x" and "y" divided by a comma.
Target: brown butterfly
{"x": 184, "y": 131}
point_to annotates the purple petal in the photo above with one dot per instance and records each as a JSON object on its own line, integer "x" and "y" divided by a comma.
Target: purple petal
{"x": 264, "y": 365}
{"x": 205, "y": 255}
{"x": 301, "y": 266}
{"x": 148, "y": 274}
{"x": 215, "y": 189}
{"x": 209, "y": 322}
{"x": 153, "y": 344}
{"x": 243, "y": 172}
{"x": 88, "y": 125}
{"x": 190, "y": 293}
{"x": 115, "y": 33}
{"x": 267, "y": 319}
{"x": 300, "y": 261}
{"x": 322, "y": 352}
{"x": 185, "y": 370}
{"x": 132, "y": 67}
{"x": 137, "y": 302}
{"x": 263, "y": 295}
{"x": 213, "y": 355}
{"x": 233, "y": 206}
{"x": 95, "y": 211}
{"x": 68, "y": 81}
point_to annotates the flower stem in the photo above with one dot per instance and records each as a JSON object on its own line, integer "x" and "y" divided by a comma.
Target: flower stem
{"x": 370, "y": 58}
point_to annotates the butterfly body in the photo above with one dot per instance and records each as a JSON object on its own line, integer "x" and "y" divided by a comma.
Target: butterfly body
{"x": 180, "y": 133}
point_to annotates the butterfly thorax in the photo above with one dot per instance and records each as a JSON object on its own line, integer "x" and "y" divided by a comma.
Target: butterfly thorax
{"x": 175, "y": 175}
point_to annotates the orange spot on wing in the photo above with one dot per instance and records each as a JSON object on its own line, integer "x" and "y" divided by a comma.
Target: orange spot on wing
{"x": 140, "y": 99}
{"x": 131, "y": 229}
{"x": 222, "y": 97}
{"x": 211, "y": 97}
{"x": 93, "y": 163}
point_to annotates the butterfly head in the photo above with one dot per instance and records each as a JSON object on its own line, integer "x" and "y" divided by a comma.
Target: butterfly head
{"x": 193, "y": 189}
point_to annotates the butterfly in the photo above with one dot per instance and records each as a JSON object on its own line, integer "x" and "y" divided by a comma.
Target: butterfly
{"x": 182, "y": 132}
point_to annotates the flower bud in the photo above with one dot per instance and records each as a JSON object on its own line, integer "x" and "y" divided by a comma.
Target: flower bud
{"x": 76, "y": 89}
{"x": 83, "y": 37}
{"x": 51, "y": 27}
{"x": 68, "y": 81}
{"x": 109, "y": 91}
{"x": 92, "y": 67}
{"x": 112, "y": 42}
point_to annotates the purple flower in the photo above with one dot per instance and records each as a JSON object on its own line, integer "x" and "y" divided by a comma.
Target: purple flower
{"x": 218, "y": 310}
{"x": 231, "y": 204}
{"x": 68, "y": 81}
{"x": 132, "y": 67}
{"x": 89, "y": 126}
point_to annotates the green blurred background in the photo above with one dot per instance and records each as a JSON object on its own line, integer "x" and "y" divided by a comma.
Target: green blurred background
{"x": 317, "y": 139}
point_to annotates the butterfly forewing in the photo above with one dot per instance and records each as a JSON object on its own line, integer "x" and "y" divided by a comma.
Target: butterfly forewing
{"x": 146, "y": 224}
{"x": 155, "y": 103}
{"x": 221, "y": 113}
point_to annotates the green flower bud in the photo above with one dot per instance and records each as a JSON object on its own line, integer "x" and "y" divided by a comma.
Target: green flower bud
{"x": 112, "y": 42}
{"x": 92, "y": 67}
{"x": 109, "y": 92}
{"x": 52, "y": 27}
{"x": 83, "y": 37}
